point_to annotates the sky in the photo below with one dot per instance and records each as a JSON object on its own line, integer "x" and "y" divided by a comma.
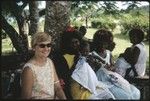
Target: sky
{"x": 119, "y": 4}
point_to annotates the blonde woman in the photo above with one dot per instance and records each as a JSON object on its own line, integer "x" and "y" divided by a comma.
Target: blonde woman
{"x": 39, "y": 79}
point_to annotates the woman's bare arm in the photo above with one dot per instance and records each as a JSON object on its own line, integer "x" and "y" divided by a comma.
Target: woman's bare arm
{"x": 135, "y": 55}
{"x": 26, "y": 83}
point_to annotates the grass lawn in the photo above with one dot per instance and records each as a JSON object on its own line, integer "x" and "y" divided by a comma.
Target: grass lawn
{"x": 7, "y": 45}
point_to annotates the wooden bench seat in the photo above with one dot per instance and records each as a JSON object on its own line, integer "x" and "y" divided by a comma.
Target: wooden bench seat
{"x": 143, "y": 84}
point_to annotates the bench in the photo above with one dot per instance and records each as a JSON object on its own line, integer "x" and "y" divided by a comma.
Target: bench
{"x": 142, "y": 83}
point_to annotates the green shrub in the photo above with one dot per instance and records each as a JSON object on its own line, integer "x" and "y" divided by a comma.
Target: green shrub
{"x": 77, "y": 23}
{"x": 128, "y": 22}
{"x": 103, "y": 23}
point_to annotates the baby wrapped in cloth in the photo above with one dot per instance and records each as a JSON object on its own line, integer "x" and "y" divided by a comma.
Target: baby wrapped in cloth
{"x": 86, "y": 77}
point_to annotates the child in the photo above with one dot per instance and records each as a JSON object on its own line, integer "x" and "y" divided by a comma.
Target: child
{"x": 84, "y": 48}
{"x": 84, "y": 83}
{"x": 139, "y": 55}
{"x": 92, "y": 60}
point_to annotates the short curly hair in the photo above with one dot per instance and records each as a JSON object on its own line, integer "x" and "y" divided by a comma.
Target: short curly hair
{"x": 66, "y": 38}
{"x": 102, "y": 36}
{"x": 136, "y": 32}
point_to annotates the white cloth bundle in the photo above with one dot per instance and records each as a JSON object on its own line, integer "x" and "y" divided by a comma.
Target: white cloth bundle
{"x": 85, "y": 76}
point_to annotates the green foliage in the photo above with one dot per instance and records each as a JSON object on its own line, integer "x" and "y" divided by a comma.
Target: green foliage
{"x": 104, "y": 22}
{"x": 132, "y": 5}
{"x": 3, "y": 34}
{"x": 110, "y": 7}
{"x": 96, "y": 23}
{"x": 129, "y": 21}
{"x": 77, "y": 23}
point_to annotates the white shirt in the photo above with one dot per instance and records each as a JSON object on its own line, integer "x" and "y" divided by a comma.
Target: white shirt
{"x": 140, "y": 66}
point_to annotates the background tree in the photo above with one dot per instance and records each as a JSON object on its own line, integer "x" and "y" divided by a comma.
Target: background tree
{"x": 57, "y": 19}
{"x": 12, "y": 9}
{"x": 109, "y": 7}
{"x": 34, "y": 17}
{"x": 16, "y": 11}
{"x": 132, "y": 5}
{"x": 90, "y": 9}
{"x": 84, "y": 9}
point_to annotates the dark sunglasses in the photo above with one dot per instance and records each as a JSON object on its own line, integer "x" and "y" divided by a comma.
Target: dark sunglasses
{"x": 44, "y": 45}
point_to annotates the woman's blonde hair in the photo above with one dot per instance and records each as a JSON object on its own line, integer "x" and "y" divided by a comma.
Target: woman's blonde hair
{"x": 40, "y": 37}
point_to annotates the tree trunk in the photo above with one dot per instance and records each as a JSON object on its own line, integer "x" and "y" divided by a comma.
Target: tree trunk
{"x": 34, "y": 17}
{"x": 57, "y": 19}
{"x": 86, "y": 21}
{"x": 16, "y": 39}
{"x": 21, "y": 21}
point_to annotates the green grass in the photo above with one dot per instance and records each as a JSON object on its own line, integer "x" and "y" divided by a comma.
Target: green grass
{"x": 7, "y": 45}
{"x": 90, "y": 33}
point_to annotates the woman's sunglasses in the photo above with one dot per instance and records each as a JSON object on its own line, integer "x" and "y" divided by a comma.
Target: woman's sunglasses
{"x": 44, "y": 45}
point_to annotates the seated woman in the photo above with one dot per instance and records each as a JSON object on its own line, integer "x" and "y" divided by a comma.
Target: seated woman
{"x": 120, "y": 87}
{"x": 39, "y": 79}
{"x": 84, "y": 83}
{"x": 65, "y": 60}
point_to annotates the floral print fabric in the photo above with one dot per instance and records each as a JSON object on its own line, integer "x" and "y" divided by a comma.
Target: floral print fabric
{"x": 43, "y": 87}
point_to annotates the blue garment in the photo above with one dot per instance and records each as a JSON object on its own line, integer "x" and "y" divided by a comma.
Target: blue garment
{"x": 118, "y": 91}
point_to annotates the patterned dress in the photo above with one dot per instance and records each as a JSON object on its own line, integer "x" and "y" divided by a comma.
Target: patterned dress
{"x": 43, "y": 86}
{"x": 119, "y": 87}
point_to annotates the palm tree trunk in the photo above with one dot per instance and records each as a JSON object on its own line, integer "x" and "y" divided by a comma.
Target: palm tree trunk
{"x": 57, "y": 19}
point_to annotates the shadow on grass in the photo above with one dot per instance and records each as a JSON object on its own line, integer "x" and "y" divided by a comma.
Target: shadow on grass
{"x": 121, "y": 36}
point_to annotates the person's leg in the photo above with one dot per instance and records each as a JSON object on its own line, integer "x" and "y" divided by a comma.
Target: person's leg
{"x": 135, "y": 93}
{"x": 119, "y": 93}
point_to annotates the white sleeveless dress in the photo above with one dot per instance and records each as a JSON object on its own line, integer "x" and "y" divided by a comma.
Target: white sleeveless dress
{"x": 43, "y": 87}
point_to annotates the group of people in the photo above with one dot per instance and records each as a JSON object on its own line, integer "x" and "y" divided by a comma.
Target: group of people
{"x": 80, "y": 70}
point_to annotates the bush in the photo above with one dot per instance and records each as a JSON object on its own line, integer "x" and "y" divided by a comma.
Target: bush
{"x": 103, "y": 23}
{"x": 77, "y": 23}
{"x": 96, "y": 24}
{"x": 128, "y": 22}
